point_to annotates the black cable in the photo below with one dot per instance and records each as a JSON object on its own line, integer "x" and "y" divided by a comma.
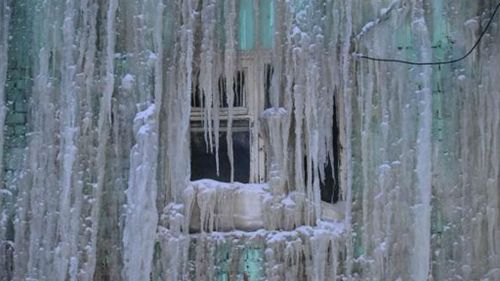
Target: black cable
{"x": 437, "y": 62}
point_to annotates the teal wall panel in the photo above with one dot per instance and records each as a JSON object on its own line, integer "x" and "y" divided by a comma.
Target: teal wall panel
{"x": 246, "y": 25}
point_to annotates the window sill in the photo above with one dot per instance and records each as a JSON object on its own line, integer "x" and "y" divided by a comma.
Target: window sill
{"x": 224, "y": 207}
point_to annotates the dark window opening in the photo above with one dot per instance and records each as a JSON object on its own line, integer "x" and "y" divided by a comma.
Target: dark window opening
{"x": 197, "y": 99}
{"x": 268, "y": 76}
{"x": 330, "y": 188}
{"x": 330, "y": 191}
{"x": 203, "y": 161}
{"x": 239, "y": 93}
{"x": 329, "y": 184}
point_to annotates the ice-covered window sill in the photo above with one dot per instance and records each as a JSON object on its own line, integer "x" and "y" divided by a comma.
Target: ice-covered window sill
{"x": 214, "y": 206}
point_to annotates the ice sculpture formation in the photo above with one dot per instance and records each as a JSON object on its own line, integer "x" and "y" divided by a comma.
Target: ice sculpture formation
{"x": 95, "y": 108}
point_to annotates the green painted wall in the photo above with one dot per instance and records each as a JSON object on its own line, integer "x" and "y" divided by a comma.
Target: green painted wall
{"x": 256, "y": 24}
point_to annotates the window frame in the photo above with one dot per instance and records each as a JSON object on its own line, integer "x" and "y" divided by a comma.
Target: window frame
{"x": 252, "y": 62}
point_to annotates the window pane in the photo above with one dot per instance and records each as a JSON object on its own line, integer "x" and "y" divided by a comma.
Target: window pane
{"x": 268, "y": 76}
{"x": 238, "y": 91}
{"x": 329, "y": 186}
{"x": 203, "y": 165}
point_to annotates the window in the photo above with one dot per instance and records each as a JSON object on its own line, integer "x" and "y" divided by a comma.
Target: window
{"x": 248, "y": 147}
{"x": 330, "y": 185}
{"x": 239, "y": 92}
{"x": 251, "y": 95}
{"x": 255, "y": 32}
{"x": 204, "y": 162}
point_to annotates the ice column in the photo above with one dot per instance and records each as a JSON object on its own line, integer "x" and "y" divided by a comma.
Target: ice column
{"x": 208, "y": 77}
{"x": 422, "y": 209}
{"x": 179, "y": 83}
{"x": 4, "y": 34}
{"x": 346, "y": 174}
{"x": 103, "y": 129}
{"x": 229, "y": 72}
{"x": 273, "y": 122}
{"x": 140, "y": 231}
{"x": 4, "y": 39}
{"x": 142, "y": 215}
{"x": 67, "y": 231}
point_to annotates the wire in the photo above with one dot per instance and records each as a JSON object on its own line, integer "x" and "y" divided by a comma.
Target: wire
{"x": 437, "y": 62}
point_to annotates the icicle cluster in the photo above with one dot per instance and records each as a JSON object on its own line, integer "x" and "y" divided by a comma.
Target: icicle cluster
{"x": 426, "y": 189}
{"x": 307, "y": 82}
{"x": 217, "y": 206}
{"x": 96, "y": 170}
{"x": 305, "y": 253}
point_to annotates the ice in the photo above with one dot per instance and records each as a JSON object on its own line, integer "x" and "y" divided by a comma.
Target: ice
{"x": 218, "y": 206}
{"x": 208, "y": 74}
{"x": 95, "y": 106}
{"x": 141, "y": 221}
{"x": 103, "y": 129}
{"x": 422, "y": 207}
{"x": 5, "y": 195}
{"x": 273, "y": 123}
{"x": 229, "y": 70}
{"x": 128, "y": 81}
{"x": 4, "y": 40}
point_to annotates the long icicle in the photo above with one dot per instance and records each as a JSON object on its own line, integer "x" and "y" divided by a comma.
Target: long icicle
{"x": 68, "y": 150}
{"x": 421, "y": 258}
{"x": 229, "y": 72}
{"x": 4, "y": 35}
{"x": 104, "y": 123}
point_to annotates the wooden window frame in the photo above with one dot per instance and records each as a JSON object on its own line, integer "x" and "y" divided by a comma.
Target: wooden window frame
{"x": 253, "y": 64}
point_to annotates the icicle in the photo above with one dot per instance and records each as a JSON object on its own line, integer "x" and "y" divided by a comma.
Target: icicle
{"x": 277, "y": 55}
{"x": 158, "y": 67}
{"x": 225, "y": 204}
{"x": 345, "y": 135}
{"x": 288, "y": 101}
{"x": 298, "y": 102}
{"x": 4, "y": 40}
{"x": 206, "y": 199}
{"x": 68, "y": 151}
{"x": 403, "y": 130}
{"x": 33, "y": 195}
{"x": 4, "y": 212}
{"x": 422, "y": 209}
{"x": 142, "y": 215}
{"x": 229, "y": 72}
{"x": 103, "y": 134}
{"x": 180, "y": 107}
{"x": 208, "y": 80}
{"x": 274, "y": 120}
{"x": 174, "y": 244}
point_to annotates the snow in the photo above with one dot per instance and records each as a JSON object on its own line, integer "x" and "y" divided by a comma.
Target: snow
{"x": 219, "y": 206}
{"x": 142, "y": 216}
{"x": 128, "y": 81}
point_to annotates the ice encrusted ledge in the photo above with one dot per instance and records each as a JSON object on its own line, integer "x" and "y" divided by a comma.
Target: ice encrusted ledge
{"x": 218, "y": 206}
{"x": 237, "y": 231}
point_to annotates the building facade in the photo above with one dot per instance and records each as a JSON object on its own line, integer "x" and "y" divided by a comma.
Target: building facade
{"x": 249, "y": 140}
